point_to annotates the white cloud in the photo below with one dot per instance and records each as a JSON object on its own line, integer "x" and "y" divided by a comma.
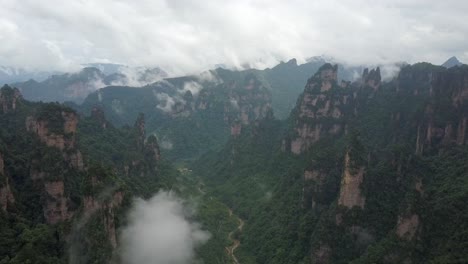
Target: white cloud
{"x": 167, "y": 102}
{"x": 160, "y": 232}
{"x": 209, "y": 76}
{"x": 185, "y": 36}
{"x": 193, "y": 87}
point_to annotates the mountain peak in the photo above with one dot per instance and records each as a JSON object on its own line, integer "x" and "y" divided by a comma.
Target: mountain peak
{"x": 452, "y": 62}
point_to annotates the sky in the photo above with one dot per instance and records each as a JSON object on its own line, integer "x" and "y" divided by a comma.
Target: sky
{"x": 184, "y": 36}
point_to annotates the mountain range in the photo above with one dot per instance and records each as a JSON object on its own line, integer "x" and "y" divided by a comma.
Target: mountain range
{"x": 311, "y": 163}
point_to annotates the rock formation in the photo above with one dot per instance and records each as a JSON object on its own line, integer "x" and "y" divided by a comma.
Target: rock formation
{"x": 56, "y": 203}
{"x": 9, "y": 99}
{"x": 6, "y": 195}
{"x": 350, "y": 191}
{"x": 321, "y": 110}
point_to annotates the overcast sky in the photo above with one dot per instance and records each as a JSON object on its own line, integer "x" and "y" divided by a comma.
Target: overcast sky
{"x": 188, "y": 36}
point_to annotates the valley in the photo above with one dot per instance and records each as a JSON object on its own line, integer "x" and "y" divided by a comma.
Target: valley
{"x": 362, "y": 171}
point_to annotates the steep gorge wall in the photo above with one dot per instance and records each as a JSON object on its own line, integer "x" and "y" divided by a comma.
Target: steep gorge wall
{"x": 6, "y": 195}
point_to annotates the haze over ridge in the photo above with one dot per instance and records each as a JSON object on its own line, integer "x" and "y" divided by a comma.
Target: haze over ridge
{"x": 185, "y": 37}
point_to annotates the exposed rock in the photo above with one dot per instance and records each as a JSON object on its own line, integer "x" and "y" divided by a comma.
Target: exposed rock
{"x": 9, "y": 99}
{"x": 445, "y": 86}
{"x": 313, "y": 180}
{"x": 56, "y": 204}
{"x": 247, "y": 103}
{"x": 107, "y": 206}
{"x": 350, "y": 191}
{"x": 371, "y": 78}
{"x": 76, "y": 160}
{"x": 236, "y": 129}
{"x": 6, "y": 195}
{"x": 2, "y": 165}
{"x": 407, "y": 226}
{"x": 319, "y": 111}
{"x": 322, "y": 255}
{"x": 59, "y": 141}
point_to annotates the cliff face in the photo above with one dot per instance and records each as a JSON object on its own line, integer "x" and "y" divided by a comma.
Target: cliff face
{"x": 61, "y": 137}
{"x": 104, "y": 205}
{"x": 321, "y": 110}
{"x": 56, "y": 204}
{"x": 9, "y": 99}
{"x": 6, "y": 195}
{"x": 445, "y": 116}
{"x": 62, "y": 141}
{"x": 50, "y": 187}
{"x": 350, "y": 191}
{"x": 247, "y": 102}
{"x": 371, "y": 78}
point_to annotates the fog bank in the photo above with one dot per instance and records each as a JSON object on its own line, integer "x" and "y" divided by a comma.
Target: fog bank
{"x": 160, "y": 231}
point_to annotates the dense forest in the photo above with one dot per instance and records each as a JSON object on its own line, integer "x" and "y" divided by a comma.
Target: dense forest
{"x": 363, "y": 171}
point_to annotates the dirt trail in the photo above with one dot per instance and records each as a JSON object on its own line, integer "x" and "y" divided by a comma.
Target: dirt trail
{"x": 236, "y": 242}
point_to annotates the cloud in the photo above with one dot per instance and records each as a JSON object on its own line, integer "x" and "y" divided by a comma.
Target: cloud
{"x": 77, "y": 252}
{"x": 167, "y": 102}
{"x": 234, "y": 103}
{"x": 193, "y": 87}
{"x": 138, "y": 76}
{"x": 209, "y": 76}
{"x": 166, "y": 144}
{"x": 185, "y": 36}
{"x": 160, "y": 231}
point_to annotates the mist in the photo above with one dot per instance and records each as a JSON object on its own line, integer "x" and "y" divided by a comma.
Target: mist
{"x": 184, "y": 37}
{"x": 161, "y": 231}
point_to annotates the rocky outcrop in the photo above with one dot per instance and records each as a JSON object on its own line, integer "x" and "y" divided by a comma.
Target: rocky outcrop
{"x": 246, "y": 103}
{"x": 441, "y": 98}
{"x": 371, "y": 78}
{"x": 9, "y": 99}
{"x": 407, "y": 226}
{"x": 56, "y": 203}
{"x": 322, "y": 255}
{"x": 6, "y": 195}
{"x": 236, "y": 129}
{"x": 61, "y": 141}
{"x": 2, "y": 165}
{"x": 62, "y": 137}
{"x": 350, "y": 190}
{"x": 106, "y": 205}
{"x": 321, "y": 110}
{"x": 313, "y": 181}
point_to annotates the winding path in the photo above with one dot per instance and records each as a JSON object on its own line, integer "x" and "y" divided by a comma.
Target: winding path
{"x": 236, "y": 243}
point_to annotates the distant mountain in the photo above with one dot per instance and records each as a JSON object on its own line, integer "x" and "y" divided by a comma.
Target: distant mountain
{"x": 106, "y": 68}
{"x": 140, "y": 74}
{"x": 76, "y": 86}
{"x": 13, "y": 74}
{"x": 452, "y": 62}
{"x": 63, "y": 87}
